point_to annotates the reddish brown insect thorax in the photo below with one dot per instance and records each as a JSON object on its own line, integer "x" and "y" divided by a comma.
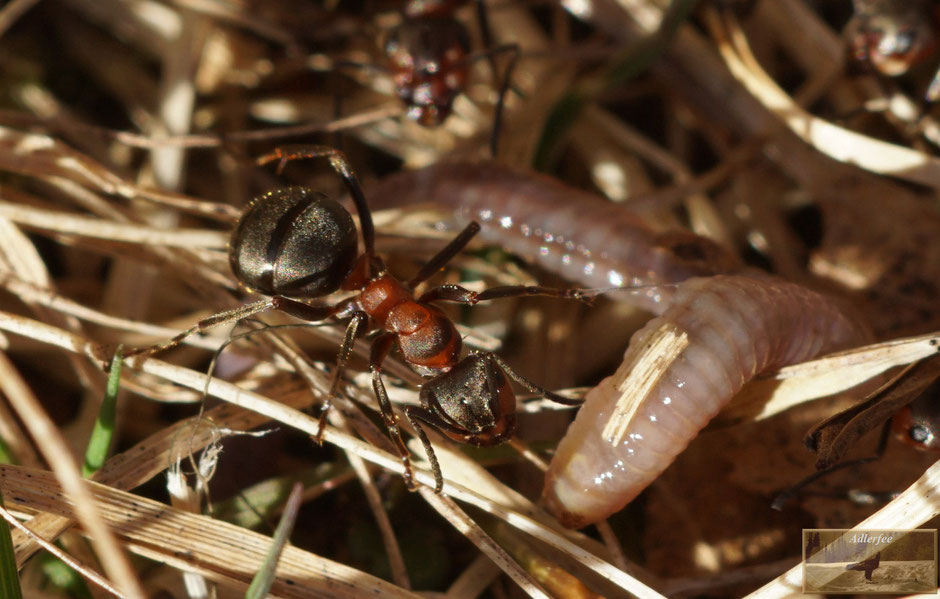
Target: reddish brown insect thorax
{"x": 380, "y": 295}
{"x": 427, "y": 338}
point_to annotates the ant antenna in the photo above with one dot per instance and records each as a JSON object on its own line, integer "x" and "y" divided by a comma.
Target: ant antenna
{"x": 445, "y": 255}
{"x": 529, "y": 385}
{"x": 340, "y": 164}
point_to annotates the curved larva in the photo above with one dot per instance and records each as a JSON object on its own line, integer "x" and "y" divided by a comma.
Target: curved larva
{"x": 573, "y": 233}
{"x": 678, "y": 372}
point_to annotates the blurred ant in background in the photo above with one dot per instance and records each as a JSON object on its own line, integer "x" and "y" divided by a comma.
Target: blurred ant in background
{"x": 907, "y": 405}
{"x": 428, "y": 56}
{"x": 894, "y": 36}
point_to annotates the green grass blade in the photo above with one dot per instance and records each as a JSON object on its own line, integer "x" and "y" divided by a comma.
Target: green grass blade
{"x": 64, "y": 578}
{"x": 263, "y": 580}
{"x": 629, "y": 64}
{"x": 103, "y": 433}
{"x": 9, "y": 578}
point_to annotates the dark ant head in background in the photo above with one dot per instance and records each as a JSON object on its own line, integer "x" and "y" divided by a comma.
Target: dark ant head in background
{"x": 294, "y": 241}
{"x": 893, "y": 35}
{"x": 428, "y": 56}
{"x": 918, "y": 423}
{"x": 909, "y": 403}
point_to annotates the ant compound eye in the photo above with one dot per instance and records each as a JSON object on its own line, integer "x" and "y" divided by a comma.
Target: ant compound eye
{"x": 919, "y": 434}
{"x": 904, "y": 41}
{"x": 293, "y": 241}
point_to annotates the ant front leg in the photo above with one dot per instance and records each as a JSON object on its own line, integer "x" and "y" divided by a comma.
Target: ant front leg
{"x": 340, "y": 164}
{"x": 358, "y": 323}
{"x": 380, "y": 348}
{"x": 415, "y": 415}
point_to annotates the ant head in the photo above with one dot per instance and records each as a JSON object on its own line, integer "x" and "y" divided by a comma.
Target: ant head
{"x": 893, "y": 42}
{"x": 475, "y": 398}
{"x": 918, "y": 423}
{"x": 428, "y": 65}
{"x": 295, "y": 242}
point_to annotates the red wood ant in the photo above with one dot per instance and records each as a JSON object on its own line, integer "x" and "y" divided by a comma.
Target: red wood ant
{"x": 908, "y": 405}
{"x": 895, "y": 35}
{"x": 430, "y": 55}
{"x": 294, "y": 244}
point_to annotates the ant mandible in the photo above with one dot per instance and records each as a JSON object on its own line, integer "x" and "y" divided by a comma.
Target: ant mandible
{"x": 430, "y": 53}
{"x": 295, "y": 244}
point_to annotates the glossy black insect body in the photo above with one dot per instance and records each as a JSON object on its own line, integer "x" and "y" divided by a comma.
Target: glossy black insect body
{"x": 294, "y": 241}
{"x": 297, "y": 245}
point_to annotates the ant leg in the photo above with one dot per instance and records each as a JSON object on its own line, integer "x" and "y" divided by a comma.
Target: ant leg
{"x": 303, "y": 311}
{"x": 456, "y": 293}
{"x": 338, "y": 161}
{"x": 216, "y": 319}
{"x": 380, "y": 348}
{"x": 504, "y": 84}
{"x": 782, "y": 499}
{"x": 529, "y": 385}
{"x": 414, "y": 414}
{"x": 445, "y": 255}
{"x": 358, "y": 322}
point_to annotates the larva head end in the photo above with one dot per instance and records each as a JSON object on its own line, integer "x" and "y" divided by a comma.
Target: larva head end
{"x": 568, "y": 519}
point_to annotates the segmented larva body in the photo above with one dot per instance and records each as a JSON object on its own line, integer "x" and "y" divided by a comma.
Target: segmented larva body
{"x": 573, "y": 233}
{"x": 678, "y": 372}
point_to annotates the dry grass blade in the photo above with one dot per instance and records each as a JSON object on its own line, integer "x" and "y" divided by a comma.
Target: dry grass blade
{"x": 56, "y": 452}
{"x": 791, "y": 386}
{"x": 52, "y": 549}
{"x": 836, "y": 142}
{"x": 62, "y": 222}
{"x": 916, "y": 505}
{"x": 218, "y": 550}
{"x": 286, "y": 415}
{"x": 459, "y": 519}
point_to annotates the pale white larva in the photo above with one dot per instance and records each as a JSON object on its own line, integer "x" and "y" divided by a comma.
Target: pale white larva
{"x": 678, "y": 372}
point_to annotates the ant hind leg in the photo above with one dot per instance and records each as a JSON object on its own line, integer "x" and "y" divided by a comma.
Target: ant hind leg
{"x": 239, "y": 313}
{"x": 358, "y": 323}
